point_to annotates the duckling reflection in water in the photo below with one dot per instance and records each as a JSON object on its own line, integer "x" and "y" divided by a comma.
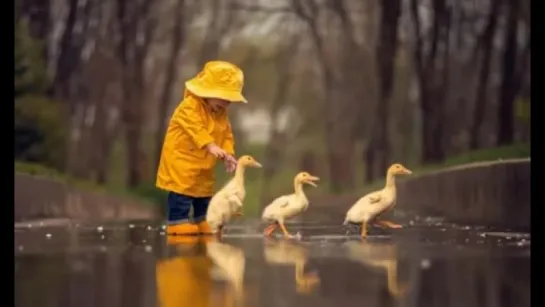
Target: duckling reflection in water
{"x": 379, "y": 255}
{"x": 186, "y": 278}
{"x": 285, "y": 252}
{"x": 229, "y": 266}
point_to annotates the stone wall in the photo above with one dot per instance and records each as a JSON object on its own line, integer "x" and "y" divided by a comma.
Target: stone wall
{"x": 43, "y": 198}
{"x": 486, "y": 193}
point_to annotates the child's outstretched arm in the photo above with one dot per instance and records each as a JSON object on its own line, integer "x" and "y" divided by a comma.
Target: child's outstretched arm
{"x": 190, "y": 121}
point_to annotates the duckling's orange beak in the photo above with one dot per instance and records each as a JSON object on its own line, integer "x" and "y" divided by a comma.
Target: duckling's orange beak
{"x": 406, "y": 171}
{"x": 310, "y": 180}
{"x": 257, "y": 164}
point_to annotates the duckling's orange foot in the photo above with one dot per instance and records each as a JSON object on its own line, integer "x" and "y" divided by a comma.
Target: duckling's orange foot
{"x": 388, "y": 224}
{"x": 269, "y": 230}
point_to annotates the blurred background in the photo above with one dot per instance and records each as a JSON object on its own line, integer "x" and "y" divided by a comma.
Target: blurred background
{"x": 338, "y": 88}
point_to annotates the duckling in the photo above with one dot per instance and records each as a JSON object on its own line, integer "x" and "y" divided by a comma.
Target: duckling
{"x": 380, "y": 255}
{"x": 375, "y": 203}
{"x": 286, "y": 252}
{"x": 287, "y": 206}
{"x": 230, "y": 263}
{"x": 227, "y": 202}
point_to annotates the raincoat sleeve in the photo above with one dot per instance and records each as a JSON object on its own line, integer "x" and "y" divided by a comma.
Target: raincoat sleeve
{"x": 229, "y": 143}
{"x": 190, "y": 120}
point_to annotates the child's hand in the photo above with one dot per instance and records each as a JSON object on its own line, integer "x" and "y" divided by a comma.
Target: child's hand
{"x": 230, "y": 163}
{"x": 216, "y": 151}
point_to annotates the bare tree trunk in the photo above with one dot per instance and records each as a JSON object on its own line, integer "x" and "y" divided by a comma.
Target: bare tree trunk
{"x": 386, "y": 52}
{"x": 276, "y": 138}
{"x": 178, "y": 39}
{"x": 217, "y": 28}
{"x": 432, "y": 86}
{"x": 509, "y": 87}
{"x": 482, "y": 89}
{"x": 135, "y": 23}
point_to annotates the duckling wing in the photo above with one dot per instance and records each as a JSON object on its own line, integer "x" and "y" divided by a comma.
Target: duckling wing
{"x": 361, "y": 209}
{"x": 278, "y": 204}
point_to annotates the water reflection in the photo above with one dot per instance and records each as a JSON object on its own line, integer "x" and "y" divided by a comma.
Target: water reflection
{"x": 291, "y": 253}
{"x": 381, "y": 256}
{"x": 139, "y": 266}
{"x": 229, "y": 266}
{"x": 200, "y": 271}
{"x": 183, "y": 277}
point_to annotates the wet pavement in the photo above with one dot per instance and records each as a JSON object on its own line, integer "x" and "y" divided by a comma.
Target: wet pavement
{"x": 428, "y": 263}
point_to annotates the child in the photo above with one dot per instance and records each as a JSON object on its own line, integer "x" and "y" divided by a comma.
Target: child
{"x": 198, "y": 134}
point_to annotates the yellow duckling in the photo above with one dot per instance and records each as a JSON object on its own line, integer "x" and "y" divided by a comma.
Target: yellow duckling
{"x": 227, "y": 202}
{"x": 285, "y": 252}
{"x": 380, "y": 255}
{"x": 230, "y": 263}
{"x": 287, "y": 206}
{"x": 375, "y": 203}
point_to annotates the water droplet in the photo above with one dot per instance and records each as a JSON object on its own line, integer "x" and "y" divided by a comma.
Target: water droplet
{"x": 425, "y": 264}
{"x": 41, "y": 223}
{"x": 148, "y": 248}
{"x": 411, "y": 223}
{"x": 131, "y": 226}
{"x": 143, "y": 241}
{"x": 164, "y": 227}
{"x": 29, "y": 225}
{"x": 20, "y": 248}
{"x": 149, "y": 227}
{"x": 483, "y": 235}
{"x": 162, "y": 233}
{"x": 508, "y": 238}
{"x": 102, "y": 237}
{"x": 100, "y": 228}
{"x": 48, "y": 235}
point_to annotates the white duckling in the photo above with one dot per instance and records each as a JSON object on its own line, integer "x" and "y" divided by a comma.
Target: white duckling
{"x": 288, "y": 206}
{"x": 230, "y": 263}
{"x": 227, "y": 202}
{"x": 382, "y": 256}
{"x": 375, "y": 203}
{"x": 288, "y": 253}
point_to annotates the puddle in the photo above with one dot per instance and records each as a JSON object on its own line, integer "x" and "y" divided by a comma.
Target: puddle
{"x": 137, "y": 264}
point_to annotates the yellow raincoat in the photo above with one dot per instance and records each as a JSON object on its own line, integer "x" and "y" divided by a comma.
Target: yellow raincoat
{"x": 186, "y": 167}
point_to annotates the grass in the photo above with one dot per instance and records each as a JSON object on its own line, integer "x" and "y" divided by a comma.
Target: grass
{"x": 280, "y": 184}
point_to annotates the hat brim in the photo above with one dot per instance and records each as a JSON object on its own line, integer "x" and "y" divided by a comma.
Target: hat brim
{"x": 232, "y": 96}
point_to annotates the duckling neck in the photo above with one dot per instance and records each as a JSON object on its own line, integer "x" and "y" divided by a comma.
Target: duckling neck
{"x": 390, "y": 181}
{"x": 239, "y": 175}
{"x": 298, "y": 188}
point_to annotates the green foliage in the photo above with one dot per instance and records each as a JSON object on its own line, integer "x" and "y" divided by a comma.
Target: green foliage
{"x": 40, "y": 133}
{"x": 30, "y": 67}
{"x": 39, "y": 128}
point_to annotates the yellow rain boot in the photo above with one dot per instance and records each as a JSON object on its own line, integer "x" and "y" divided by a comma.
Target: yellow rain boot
{"x": 204, "y": 228}
{"x": 183, "y": 229}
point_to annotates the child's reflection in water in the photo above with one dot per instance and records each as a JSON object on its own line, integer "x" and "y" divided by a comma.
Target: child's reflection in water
{"x": 186, "y": 276}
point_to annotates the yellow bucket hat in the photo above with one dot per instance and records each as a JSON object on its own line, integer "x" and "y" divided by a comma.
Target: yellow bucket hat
{"x": 218, "y": 79}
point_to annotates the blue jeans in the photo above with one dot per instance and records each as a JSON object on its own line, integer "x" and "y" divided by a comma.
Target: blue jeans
{"x": 179, "y": 206}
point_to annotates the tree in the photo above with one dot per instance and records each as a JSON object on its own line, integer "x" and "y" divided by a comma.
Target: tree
{"x": 38, "y": 126}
